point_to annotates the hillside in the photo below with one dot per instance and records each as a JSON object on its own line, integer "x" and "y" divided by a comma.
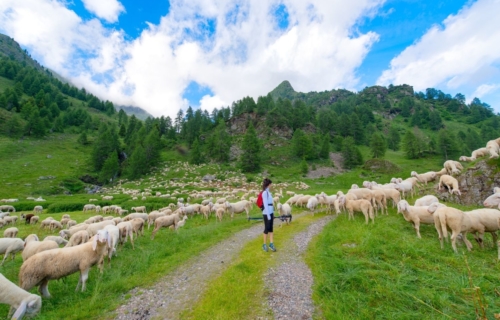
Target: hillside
{"x": 10, "y": 48}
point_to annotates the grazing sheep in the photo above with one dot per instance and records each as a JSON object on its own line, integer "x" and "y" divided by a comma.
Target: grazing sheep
{"x": 40, "y": 268}
{"x": 239, "y": 207}
{"x": 452, "y": 167}
{"x": 117, "y": 220}
{"x": 38, "y": 209}
{"x": 34, "y": 219}
{"x": 138, "y": 226}
{"x": 180, "y": 223}
{"x": 32, "y": 246}
{"x": 10, "y": 246}
{"x": 10, "y": 219}
{"x": 89, "y": 207}
{"x": 426, "y": 201}
{"x": 95, "y": 227}
{"x": 139, "y": 209}
{"x": 205, "y": 210}
{"x": 54, "y": 224}
{"x": 143, "y": 216}
{"x": 379, "y": 200}
{"x": 450, "y": 183}
{"x": 114, "y": 234}
{"x": 447, "y": 217}
{"x": 58, "y": 239}
{"x": 219, "y": 213}
{"x": 126, "y": 231}
{"x": 78, "y": 238}
{"x": 153, "y": 215}
{"x": 361, "y": 205}
{"x": 67, "y": 233}
{"x": 493, "y": 148}
{"x": 7, "y": 208}
{"x": 424, "y": 177}
{"x": 415, "y": 215}
{"x": 167, "y": 221}
{"x": 487, "y": 221}
{"x": 27, "y": 217}
{"x": 481, "y": 152}
{"x": 46, "y": 222}
{"x": 10, "y": 232}
{"x": 312, "y": 203}
{"x": 107, "y": 198}
{"x": 407, "y": 185}
{"x": 492, "y": 201}
{"x": 20, "y": 300}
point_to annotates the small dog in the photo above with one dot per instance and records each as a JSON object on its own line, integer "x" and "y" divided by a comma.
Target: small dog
{"x": 285, "y": 218}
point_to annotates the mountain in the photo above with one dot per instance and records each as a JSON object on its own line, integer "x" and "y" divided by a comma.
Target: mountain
{"x": 11, "y": 49}
{"x": 139, "y": 113}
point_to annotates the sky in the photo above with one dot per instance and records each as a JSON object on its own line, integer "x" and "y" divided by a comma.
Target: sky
{"x": 164, "y": 55}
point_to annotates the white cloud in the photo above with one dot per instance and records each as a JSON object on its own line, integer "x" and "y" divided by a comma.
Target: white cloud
{"x": 485, "y": 89}
{"x": 463, "y": 54}
{"x": 108, "y": 10}
{"x": 209, "y": 103}
{"x": 247, "y": 54}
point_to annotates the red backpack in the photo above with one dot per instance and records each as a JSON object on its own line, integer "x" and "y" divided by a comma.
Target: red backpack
{"x": 260, "y": 202}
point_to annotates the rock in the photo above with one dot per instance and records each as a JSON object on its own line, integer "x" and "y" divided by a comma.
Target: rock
{"x": 208, "y": 177}
{"x": 49, "y": 156}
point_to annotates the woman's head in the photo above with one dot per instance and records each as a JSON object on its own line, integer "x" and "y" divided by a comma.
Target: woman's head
{"x": 266, "y": 183}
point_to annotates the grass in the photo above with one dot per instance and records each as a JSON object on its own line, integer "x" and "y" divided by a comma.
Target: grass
{"x": 391, "y": 274}
{"x": 24, "y": 161}
{"x": 239, "y": 293}
{"x": 143, "y": 266}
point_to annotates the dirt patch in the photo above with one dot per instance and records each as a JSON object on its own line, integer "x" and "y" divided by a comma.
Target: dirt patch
{"x": 337, "y": 160}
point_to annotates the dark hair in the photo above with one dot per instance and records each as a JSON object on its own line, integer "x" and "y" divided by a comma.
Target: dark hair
{"x": 266, "y": 183}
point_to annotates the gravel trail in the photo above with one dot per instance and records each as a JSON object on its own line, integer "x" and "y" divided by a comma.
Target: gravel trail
{"x": 184, "y": 286}
{"x": 290, "y": 284}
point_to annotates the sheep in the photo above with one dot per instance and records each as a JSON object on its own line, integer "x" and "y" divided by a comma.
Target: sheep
{"x": 415, "y": 215}
{"x": 239, "y": 207}
{"x": 114, "y": 234}
{"x": 447, "y": 217}
{"x": 143, "y": 216}
{"x": 450, "y": 183}
{"x": 379, "y": 200}
{"x": 19, "y": 299}
{"x": 492, "y": 201}
{"x": 332, "y": 201}
{"x": 93, "y": 228}
{"x": 34, "y": 219}
{"x": 27, "y": 218}
{"x": 67, "y": 233}
{"x": 78, "y": 238}
{"x": 4, "y": 214}
{"x": 10, "y": 219}
{"x": 452, "y": 167}
{"x": 126, "y": 231}
{"x": 107, "y": 198}
{"x": 10, "y": 232}
{"x": 153, "y": 215}
{"x": 41, "y": 268}
{"x": 138, "y": 226}
{"x": 302, "y": 200}
{"x": 54, "y": 224}
{"x": 10, "y": 246}
{"x": 139, "y": 209}
{"x": 37, "y": 209}
{"x": 312, "y": 203}
{"x": 481, "y": 152}
{"x": 219, "y": 213}
{"x": 32, "y": 246}
{"x": 426, "y": 201}
{"x": 424, "y": 177}
{"x": 180, "y": 223}
{"x": 205, "y": 210}
{"x": 117, "y": 220}
{"x": 487, "y": 221}
{"x": 407, "y": 185}
{"x": 361, "y": 205}
{"x": 58, "y": 239}
{"x": 89, "y": 207}
{"x": 493, "y": 148}
{"x": 285, "y": 210}
{"x": 46, "y": 222}
{"x": 7, "y": 208}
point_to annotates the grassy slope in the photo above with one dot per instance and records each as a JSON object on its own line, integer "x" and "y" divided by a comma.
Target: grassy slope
{"x": 5, "y": 83}
{"x": 24, "y": 161}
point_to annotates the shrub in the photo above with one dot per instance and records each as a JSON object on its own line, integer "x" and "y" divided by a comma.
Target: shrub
{"x": 65, "y": 207}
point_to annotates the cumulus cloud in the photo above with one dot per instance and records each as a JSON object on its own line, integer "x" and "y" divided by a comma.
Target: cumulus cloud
{"x": 108, "y": 10}
{"x": 234, "y": 47}
{"x": 485, "y": 89}
{"x": 461, "y": 54}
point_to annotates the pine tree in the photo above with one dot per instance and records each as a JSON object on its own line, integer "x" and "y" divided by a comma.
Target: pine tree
{"x": 358, "y": 131}
{"x": 324, "y": 152}
{"x": 137, "y": 164}
{"x": 301, "y": 144}
{"x": 411, "y": 145}
{"x": 304, "y": 168}
{"x": 123, "y": 130}
{"x": 152, "y": 148}
{"x": 250, "y": 157}
{"x": 105, "y": 143}
{"x": 82, "y": 139}
{"x": 351, "y": 154}
{"x": 447, "y": 144}
{"x": 13, "y": 126}
{"x": 195, "y": 157}
{"x": 394, "y": 139}
{"x": 219, "y": 144}
{"x": 378, "y": 145}
{"x": 110, "y": 168}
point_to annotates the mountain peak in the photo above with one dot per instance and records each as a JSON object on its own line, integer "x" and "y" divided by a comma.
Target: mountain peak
{"x": 283, "y": 90}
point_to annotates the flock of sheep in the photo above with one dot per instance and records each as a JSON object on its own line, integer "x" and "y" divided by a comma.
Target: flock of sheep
{"x": 88, "y": 243}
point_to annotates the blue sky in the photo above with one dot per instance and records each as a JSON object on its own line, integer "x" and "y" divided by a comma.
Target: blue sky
{"x": 166, "y": 55}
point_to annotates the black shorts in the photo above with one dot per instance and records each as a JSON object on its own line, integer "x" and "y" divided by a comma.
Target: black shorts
{"x": 268, "y": 223}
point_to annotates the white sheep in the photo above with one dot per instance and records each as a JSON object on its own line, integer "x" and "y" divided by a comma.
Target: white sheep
{"x": 415, "y": 215}
{"x": 481, "y": 152}
{"x": 484, "y": 220}
{"x": 143, "y": 216}
{"x": 239, "y": 207}
{"x": 37, "y": 209}
{"x": 78, "y": 238}
{"x": 10, "y": 232}
{"x": 89, "y": 207}
{"x": 426, "y": 201}
{"x": 153, "y": 215}
{"x": 20, "y": 300}
{"x": 452, "y": 167}
{"x": 180, "y": 223}
{"x": 492, "y": 201}
{"x": 447, "y": 217}
{"x": 424, "y": 177}
{"x": 67, "y": 233}
{"x": 219, "y": 213}
{"x": 450, "y": 183}
{"x": 284, "y": 210}
{"x": 95, "y": 227}
{"x": 361, "y": 205}
{"x": 58, "y": 239}
{"x": 407, "y": 185}
{"x": 58, "y": 263}
{"x": 10, "y": 219}
{"x": 34, "y": 219}
{"x": 114, "y": 234}
{"x": 138, "y": 226}
{"x": 10, "y": 246}
{"x": 312, "y": 203}
{"x": 126, "y": 231}
{"x": 33, "y": 245}
{"x": 493, "y": 148}
{"x": 166, "y": 221}
{"x": 139, "y": 209}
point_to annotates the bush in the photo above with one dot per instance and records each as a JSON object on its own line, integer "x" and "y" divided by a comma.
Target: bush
{"x": 65, "y": 207}
{"x": 73, "y": 185}
{"x": 27, "y": 205}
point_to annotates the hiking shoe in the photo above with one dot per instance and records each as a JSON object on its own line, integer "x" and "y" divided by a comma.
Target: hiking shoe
{"x": 271, "y": 246}
{"x": 264, "y": 247}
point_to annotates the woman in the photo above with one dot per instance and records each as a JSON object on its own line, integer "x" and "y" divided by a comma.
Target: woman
{"x": 268, "y": 214}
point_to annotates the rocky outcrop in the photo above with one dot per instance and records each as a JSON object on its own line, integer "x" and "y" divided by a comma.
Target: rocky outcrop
{"x": 476, "y": 184}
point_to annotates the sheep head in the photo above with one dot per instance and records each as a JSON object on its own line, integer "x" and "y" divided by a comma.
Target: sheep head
{"x": 30, "y": 305}
{"x": 434, "y": 206}
{"x": 414, "y": 173}
{"x": 403, "y": 206}
{"x": 342, "y": 199}
{"x": 102, "y": 236}
{"x": 354, "y": 186}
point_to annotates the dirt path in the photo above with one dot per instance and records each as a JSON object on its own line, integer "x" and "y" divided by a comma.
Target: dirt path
{"x": 183, "y": 287}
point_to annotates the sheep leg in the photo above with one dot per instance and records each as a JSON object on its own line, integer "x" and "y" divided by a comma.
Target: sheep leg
{"x": 44, "y": 289}
{"x": 495, "y": 237}
{"x": 84, "y": 275}
{"x": 440, "y": 234}
{"x": 366, "y": 215}
{"x": 467, "y": 242}
{"x": 417, "y": 228}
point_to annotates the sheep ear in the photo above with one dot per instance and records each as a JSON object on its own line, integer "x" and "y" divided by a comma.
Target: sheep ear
{"x": 94, "y": 243}
{"x": 20, "y": 311}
